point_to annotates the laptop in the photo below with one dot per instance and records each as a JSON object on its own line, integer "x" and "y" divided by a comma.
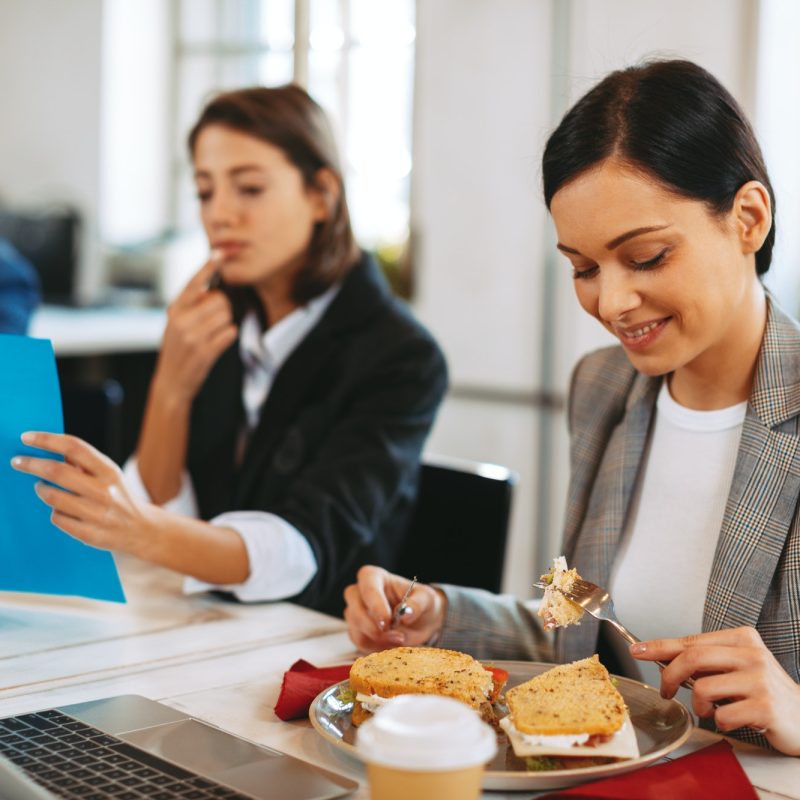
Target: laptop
{"x": 129, "y": 747}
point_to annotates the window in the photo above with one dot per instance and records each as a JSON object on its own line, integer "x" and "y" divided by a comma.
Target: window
{"x": 356, "y": 59}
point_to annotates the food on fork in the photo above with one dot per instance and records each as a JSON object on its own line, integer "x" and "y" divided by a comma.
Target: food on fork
{"x": 570, "y": 710}
{"x": 556, "y": 610}
{"x": 422, "y": 670}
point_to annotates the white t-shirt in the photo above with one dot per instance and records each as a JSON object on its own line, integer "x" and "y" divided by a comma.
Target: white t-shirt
{"x": 661, "y": 571}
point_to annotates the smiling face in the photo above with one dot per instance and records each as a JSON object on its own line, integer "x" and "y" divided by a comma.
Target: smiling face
{"x": 255, "y": 208}
{"x": 673, "y": 282}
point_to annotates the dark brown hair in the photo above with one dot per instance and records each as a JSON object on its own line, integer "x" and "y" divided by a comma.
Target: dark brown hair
{"x": 672, "y": 120}
{"x": 288, "y": 118}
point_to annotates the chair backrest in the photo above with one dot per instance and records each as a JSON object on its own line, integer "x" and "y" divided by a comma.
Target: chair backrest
{"x": 459, "y": 527}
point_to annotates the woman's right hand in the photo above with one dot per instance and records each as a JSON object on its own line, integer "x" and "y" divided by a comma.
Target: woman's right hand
{"x": 199, "y": 329}
{"x": 371, "y": 601}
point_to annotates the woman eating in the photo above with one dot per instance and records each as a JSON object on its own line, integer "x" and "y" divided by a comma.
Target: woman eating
{"x": 685, "y": 447}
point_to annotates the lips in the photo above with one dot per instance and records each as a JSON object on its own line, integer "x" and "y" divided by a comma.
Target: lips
{"x": 637, "y": 337}
{"x": 229, "y": 248}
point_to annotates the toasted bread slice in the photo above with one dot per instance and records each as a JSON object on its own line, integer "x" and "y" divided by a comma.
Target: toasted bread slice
{"x": 569, "y": 699}
{"x": 557, "y": 611}
{"x": 420, "y": 670}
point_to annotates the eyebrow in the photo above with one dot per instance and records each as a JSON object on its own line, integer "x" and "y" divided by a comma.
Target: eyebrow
{"x": 617, "y": 241}
{"x": 235, "y": 171}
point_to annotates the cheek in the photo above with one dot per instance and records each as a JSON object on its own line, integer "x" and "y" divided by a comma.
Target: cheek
{"x": 587, "y": 296}
{"x": 205, "y": 217}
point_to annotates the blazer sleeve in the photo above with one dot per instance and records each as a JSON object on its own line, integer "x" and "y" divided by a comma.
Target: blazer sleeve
{"x": 493, "y": 626}
{"x": 361, "y": 482}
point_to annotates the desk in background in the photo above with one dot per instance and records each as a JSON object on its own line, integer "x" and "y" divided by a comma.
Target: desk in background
{"x": 99, "y": 331}
{"x": 95, "y": 345}
{"x": 220, "y": 661}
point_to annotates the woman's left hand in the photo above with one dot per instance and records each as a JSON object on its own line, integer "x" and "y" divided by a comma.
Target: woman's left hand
{"x": 90, "y": 501}
{"x": 737, "y": 681}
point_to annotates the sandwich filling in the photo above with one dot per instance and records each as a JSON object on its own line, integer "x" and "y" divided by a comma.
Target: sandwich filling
{"x": 556, "y": 610}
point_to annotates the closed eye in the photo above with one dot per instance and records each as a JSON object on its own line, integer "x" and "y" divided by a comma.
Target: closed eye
{"x": 652, "y": 262}
{"x": 589, "y": 272}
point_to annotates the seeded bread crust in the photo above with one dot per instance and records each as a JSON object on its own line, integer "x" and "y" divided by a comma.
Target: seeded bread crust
{"x": 568, "y": 699}
{"x": 420, "y": 670}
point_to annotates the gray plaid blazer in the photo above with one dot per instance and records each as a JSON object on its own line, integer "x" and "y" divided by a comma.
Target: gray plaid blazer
{"x": 755, "y": 577}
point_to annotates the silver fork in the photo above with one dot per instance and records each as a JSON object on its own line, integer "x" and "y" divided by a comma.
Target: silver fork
{"x": 597, "y": 602}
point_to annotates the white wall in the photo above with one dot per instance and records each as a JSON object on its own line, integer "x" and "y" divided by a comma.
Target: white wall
{"x": 50, "y": 72}
{"x": 481, "y": 112}
{"x": 493, "y": 78}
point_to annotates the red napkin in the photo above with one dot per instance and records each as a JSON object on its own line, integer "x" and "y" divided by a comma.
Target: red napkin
{"x": 302, "y": 683}
{"x": 713, "y": 773}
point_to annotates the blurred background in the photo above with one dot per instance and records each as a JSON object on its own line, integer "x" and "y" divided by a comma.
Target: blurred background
{"x": 441, "y": 109}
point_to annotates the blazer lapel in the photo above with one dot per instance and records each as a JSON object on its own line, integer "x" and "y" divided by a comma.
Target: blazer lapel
{"x": 765, "y": 487}
{"x": 362, "y": 295}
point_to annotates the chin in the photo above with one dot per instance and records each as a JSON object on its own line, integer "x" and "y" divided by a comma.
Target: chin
{"x": 652, "y": 367}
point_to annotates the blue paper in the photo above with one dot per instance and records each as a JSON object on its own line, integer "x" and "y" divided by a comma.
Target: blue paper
{"x": 35, "y": 556}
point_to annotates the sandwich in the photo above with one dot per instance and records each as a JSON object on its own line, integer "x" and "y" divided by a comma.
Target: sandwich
{"x": 556, "y": 610}
{"x": 570, "y": 710}
{"x": 422, "y": 670}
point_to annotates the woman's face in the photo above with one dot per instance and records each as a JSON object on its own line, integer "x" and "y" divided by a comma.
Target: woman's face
{"x": 670, "y": 280}
{"x": 256, "y": 210}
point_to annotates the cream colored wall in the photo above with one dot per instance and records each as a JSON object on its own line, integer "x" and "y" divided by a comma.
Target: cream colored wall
{"x": 50, "y": 79}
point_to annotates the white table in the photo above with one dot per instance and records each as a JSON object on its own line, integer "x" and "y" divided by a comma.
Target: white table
{"x": 219, "y": 661}
{"x": 99, "y": 331}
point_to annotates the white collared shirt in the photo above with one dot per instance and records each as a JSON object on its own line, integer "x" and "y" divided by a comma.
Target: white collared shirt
{"x": 281, "y": 560}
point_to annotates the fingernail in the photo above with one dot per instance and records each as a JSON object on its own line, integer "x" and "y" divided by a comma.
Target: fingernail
{"x": 638, "y": 648}
{"x": 16, "y": 462}
{"x": 396, "y": 637}
{"x": 381, "y": 624}
{"x": 216, "y": 254}
{"x": 28, "y": 438}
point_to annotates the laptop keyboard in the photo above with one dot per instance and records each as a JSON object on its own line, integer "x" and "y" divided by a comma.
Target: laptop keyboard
{"x": 75, "y": 760}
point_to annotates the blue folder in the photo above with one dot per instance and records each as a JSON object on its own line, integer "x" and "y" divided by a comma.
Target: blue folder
{"x": 35, "y": 556}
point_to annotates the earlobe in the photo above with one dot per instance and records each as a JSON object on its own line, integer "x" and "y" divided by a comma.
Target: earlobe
{"x": 753, "y": 215}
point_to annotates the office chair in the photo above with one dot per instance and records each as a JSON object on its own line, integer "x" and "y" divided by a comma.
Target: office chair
{"x": 93, "y": 411}
{"x": 459, "y": 527}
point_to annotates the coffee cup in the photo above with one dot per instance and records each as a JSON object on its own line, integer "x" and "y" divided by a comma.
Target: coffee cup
{"x": 425, "y": 747}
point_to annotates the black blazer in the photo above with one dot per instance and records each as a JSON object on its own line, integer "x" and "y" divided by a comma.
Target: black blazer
{"x": 336, "y": 451}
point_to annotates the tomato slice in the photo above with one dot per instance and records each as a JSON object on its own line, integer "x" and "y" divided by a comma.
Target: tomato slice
{"x": 499, "y": 679}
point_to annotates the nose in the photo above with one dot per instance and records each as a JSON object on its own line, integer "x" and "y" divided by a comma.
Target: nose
{"x": 220, "y": 210}
{"x": 618, "y": 294}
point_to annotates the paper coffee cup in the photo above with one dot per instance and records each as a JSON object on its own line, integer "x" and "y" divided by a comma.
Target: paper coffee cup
{"x": 425, "y": 747}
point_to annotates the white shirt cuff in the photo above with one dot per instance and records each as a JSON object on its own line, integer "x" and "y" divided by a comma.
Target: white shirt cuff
{"x": 184, "y": 502}
{"x": 282, "y": 562}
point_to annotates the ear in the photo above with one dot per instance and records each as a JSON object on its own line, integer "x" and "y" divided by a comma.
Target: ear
{"x": 325, "y": 193}
{"x": 752, "y": 215}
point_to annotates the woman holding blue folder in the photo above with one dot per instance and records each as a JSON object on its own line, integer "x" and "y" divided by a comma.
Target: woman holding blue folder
{"x": 292, "y": 395}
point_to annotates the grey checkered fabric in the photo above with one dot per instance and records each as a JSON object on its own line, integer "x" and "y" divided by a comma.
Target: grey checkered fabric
{"x": 755, "y": 577}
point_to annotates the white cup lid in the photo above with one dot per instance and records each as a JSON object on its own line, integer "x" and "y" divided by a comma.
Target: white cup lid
{"x": 427, "y": 733}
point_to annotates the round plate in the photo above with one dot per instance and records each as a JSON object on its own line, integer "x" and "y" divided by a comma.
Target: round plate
{"x": 661, "y": 726}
